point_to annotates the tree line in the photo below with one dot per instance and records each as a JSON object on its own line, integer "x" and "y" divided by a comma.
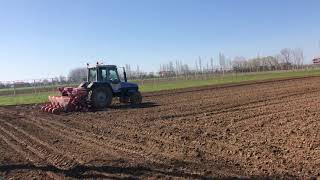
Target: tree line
{"x": 286, "y": 59}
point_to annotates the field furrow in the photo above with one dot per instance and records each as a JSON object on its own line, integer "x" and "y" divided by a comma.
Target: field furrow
{"x": 254, "y": 130}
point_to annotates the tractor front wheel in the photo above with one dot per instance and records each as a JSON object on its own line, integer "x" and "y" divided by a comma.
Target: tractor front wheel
{"x": 136, "y": 98}
{"x": 100, "y": 97}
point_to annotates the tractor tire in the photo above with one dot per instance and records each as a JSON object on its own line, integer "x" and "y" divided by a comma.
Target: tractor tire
{"x": 100, "y": 97}
{"x": 136, "y": 98}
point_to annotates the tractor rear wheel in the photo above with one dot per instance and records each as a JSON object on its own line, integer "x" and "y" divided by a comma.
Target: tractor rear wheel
{"x": 136, "y": 98}
{"x": 100, "y": 97}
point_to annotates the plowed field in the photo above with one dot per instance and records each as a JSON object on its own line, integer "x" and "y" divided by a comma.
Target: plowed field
{"x": 256, "y": 130}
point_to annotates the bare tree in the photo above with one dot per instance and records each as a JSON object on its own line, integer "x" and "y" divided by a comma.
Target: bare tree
{"x": 138, "y": 71}
{"x": 291, "y": 57}
{"x": 286, "y": 57}
{"x": 2, "y": 85}
{"x": 186, "y": 69}
{"x": 222, "y": 62}
{"x": 178, "y": 68}
{"x": 240, "y": 64}
{"x": 211, "y": 63}
{"x": 200, "y": 64}
{"x": 197, "y": 68}
{"x": 128, "y": 70}
{"x": 78, "y": 74}
{"x": 298, "y": 57}
{"x": 62, "y": 79}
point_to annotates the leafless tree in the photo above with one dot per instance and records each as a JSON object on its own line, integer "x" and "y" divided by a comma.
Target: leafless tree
{"x": 211, "y": 63}
{"x": 186, "y": 69}
{"x": 128, "y": 70}
{"x": 200, "y": 65}
{"x": 78, "y": 74}
{"x": 286, "y": 55}
{"x": 240, "y": 64}
{"x": 298, "y": 57}
{"x": 222, "y": 61}
{"x": 290, "y": 58}
{"x": 62, "y": 79}
{"x": 138, "y": 71}
{"x": 2, "y": 85}
{"x": 197, "y": 68}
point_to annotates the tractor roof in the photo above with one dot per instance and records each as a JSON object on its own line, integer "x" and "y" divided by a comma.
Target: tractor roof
{"x": 101, "y": 65}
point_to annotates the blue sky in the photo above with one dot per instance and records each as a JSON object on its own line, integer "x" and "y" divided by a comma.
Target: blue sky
{"x": 46, "y": 38}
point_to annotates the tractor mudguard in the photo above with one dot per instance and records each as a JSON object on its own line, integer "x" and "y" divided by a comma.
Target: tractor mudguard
{"x": 129, "y": 88}
{"x": 128, "y": 85}
{"x": 132, "y": 91}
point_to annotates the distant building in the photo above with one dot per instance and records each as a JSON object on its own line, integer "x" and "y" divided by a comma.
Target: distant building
{"x": 316, "y": 60}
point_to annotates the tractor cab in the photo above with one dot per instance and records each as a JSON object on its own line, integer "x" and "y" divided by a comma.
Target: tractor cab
{"x": 109, "y": 75}
{"x": 108, "y": 78}
{"x": 104, "y": 73}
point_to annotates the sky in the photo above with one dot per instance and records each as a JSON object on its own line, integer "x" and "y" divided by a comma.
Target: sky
{"x": 47, "y": 38}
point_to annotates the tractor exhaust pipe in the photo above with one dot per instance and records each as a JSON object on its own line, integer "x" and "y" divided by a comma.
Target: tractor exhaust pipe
{"x": 124, "y": 74}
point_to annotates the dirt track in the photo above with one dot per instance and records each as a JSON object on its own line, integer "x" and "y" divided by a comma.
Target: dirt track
{"x": 258, "y": 130}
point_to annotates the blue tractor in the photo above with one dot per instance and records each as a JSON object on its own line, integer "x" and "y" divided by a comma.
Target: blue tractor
{"x": 102, "y": 86}
{"x": 103, "y": 83}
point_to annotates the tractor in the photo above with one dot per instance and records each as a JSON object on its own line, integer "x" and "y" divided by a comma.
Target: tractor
{"x": 102, "y": 85}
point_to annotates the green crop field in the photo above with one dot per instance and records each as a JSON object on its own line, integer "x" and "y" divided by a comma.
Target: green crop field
{"x": 150, "y": 86}
{"x": 25, "y": 98}
{"x": 227, "y": 79}
{"x": 30, "y": 90}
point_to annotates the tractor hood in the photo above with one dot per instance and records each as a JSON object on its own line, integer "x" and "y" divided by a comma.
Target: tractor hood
{"x": 129, "y": 85}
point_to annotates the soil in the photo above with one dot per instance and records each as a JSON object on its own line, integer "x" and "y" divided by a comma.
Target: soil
{"x": 254, "y": 130}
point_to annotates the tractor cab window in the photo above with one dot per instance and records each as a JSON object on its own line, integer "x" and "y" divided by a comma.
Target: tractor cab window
{"x": 92, "y": 75}
{"x": 104, "y": 75}
{"x": 113, "y": 75}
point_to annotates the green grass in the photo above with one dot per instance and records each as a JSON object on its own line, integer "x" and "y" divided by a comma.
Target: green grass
{"x": 30, "y": 90}
{"x": 227, "y": 79}
{"x": 25, "y": 99}
{"x": 175, "y": 84}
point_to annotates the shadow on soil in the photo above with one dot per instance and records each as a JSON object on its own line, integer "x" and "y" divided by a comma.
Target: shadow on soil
{"x": 117, "y": 172}
{"x": 130, "y": 106}
{"x": 117, "y": 107}
{"x": 84, "y": 172}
